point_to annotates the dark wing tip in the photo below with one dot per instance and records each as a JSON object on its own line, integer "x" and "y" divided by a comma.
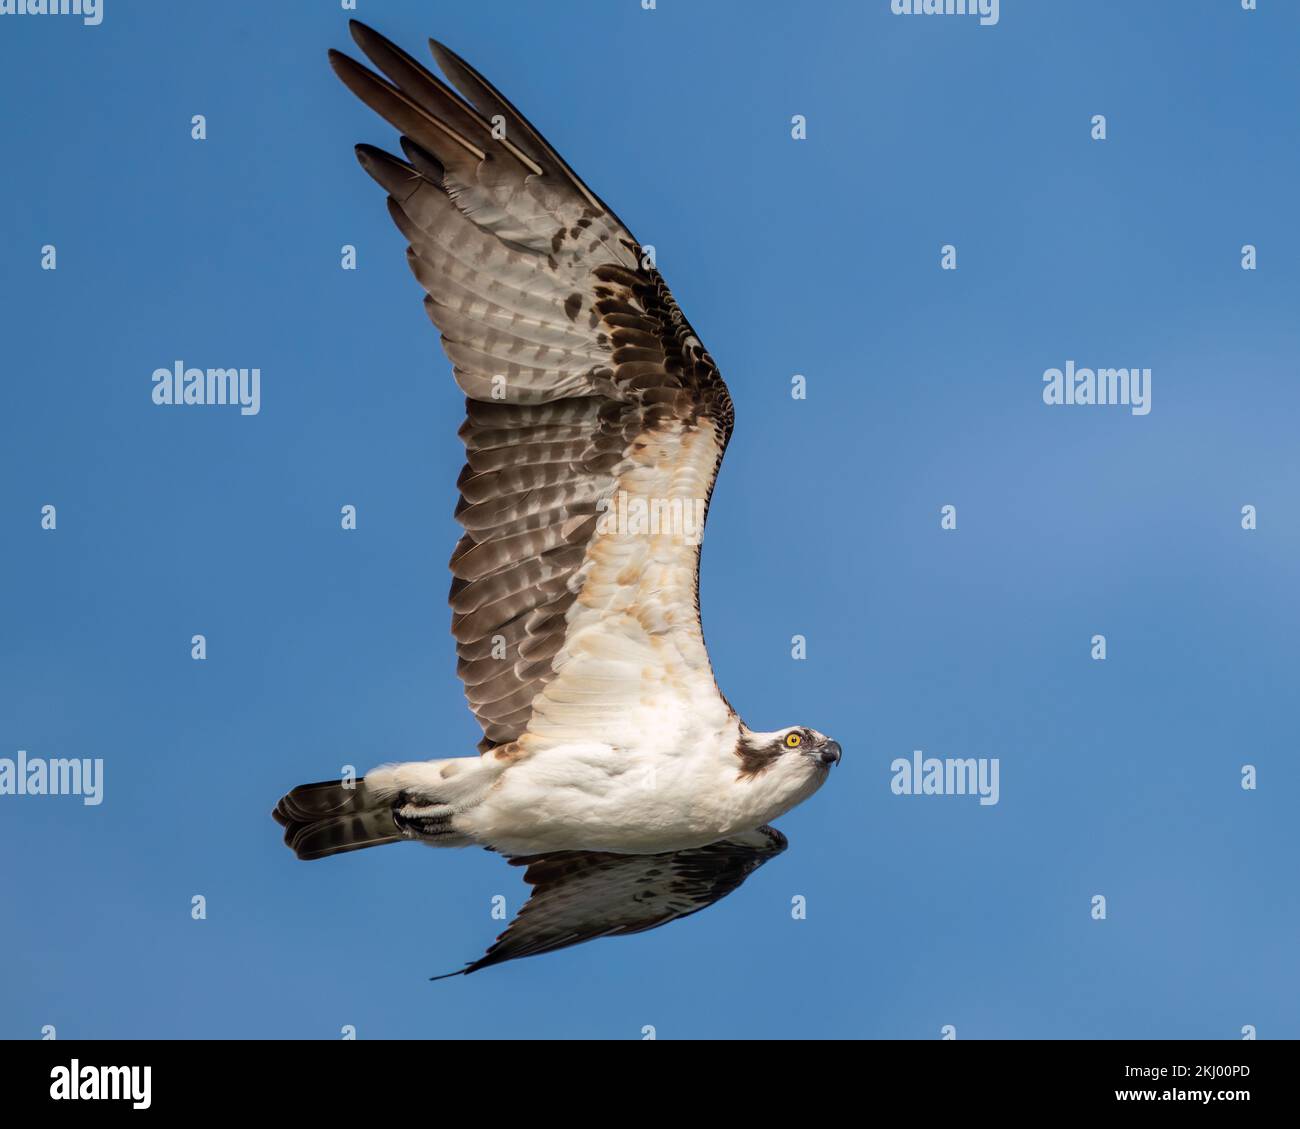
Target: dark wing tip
{"x": 356, "y": 76}
{"x": 372, "y": 158}
{"x": 366, "y": 37}
{"x": 442, "y": 52}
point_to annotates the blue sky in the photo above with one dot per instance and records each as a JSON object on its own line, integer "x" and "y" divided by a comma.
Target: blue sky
{"x": 818, "y": 257}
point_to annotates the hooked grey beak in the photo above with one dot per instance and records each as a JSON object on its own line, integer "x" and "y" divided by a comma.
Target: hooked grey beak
{"x": 830, "y": 753}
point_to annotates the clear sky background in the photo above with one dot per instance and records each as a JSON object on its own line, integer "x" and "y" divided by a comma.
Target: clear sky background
{"x": 818, "y": 257}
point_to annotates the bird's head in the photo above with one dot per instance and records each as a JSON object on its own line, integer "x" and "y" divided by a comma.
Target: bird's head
{"x": 796, "y": 750}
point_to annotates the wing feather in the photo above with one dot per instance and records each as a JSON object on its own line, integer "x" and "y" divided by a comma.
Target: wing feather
{"x": 585, "y": 386}
{"x": 580, "y": 896}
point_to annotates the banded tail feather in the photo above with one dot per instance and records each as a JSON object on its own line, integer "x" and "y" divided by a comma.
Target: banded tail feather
{"x": 416, "y": 800}
{"x": 331, "y": 817}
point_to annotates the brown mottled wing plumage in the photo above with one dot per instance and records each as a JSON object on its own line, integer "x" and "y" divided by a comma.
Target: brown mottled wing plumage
{"x": 573, "y": 357}
{"x": 580, "y": 895}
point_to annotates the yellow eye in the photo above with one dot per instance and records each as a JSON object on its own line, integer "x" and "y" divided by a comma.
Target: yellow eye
{"x": 793, "y": 740}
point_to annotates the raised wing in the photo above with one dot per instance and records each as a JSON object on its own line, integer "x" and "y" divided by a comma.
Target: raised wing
{"x": 596, "y": 420}
{"x": 579, "y": 895}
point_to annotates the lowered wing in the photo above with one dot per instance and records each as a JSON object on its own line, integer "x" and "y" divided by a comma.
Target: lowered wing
{"x": 581, "y": 895}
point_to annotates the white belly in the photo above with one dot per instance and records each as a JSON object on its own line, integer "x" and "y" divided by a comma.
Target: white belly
{"x": 602, "y": 798}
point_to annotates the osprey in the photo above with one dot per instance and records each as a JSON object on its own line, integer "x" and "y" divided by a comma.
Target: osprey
{"x": 596, "y": 423}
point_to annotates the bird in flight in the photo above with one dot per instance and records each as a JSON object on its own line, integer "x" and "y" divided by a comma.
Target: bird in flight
{"x": 595, "y": 426}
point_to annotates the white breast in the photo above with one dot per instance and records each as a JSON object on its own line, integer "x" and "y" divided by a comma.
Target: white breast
{"x": 635, "y": 799}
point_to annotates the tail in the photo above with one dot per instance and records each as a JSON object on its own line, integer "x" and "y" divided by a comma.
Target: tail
{"x": 329, "y": 818}
{"x": 419, "y": 800}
